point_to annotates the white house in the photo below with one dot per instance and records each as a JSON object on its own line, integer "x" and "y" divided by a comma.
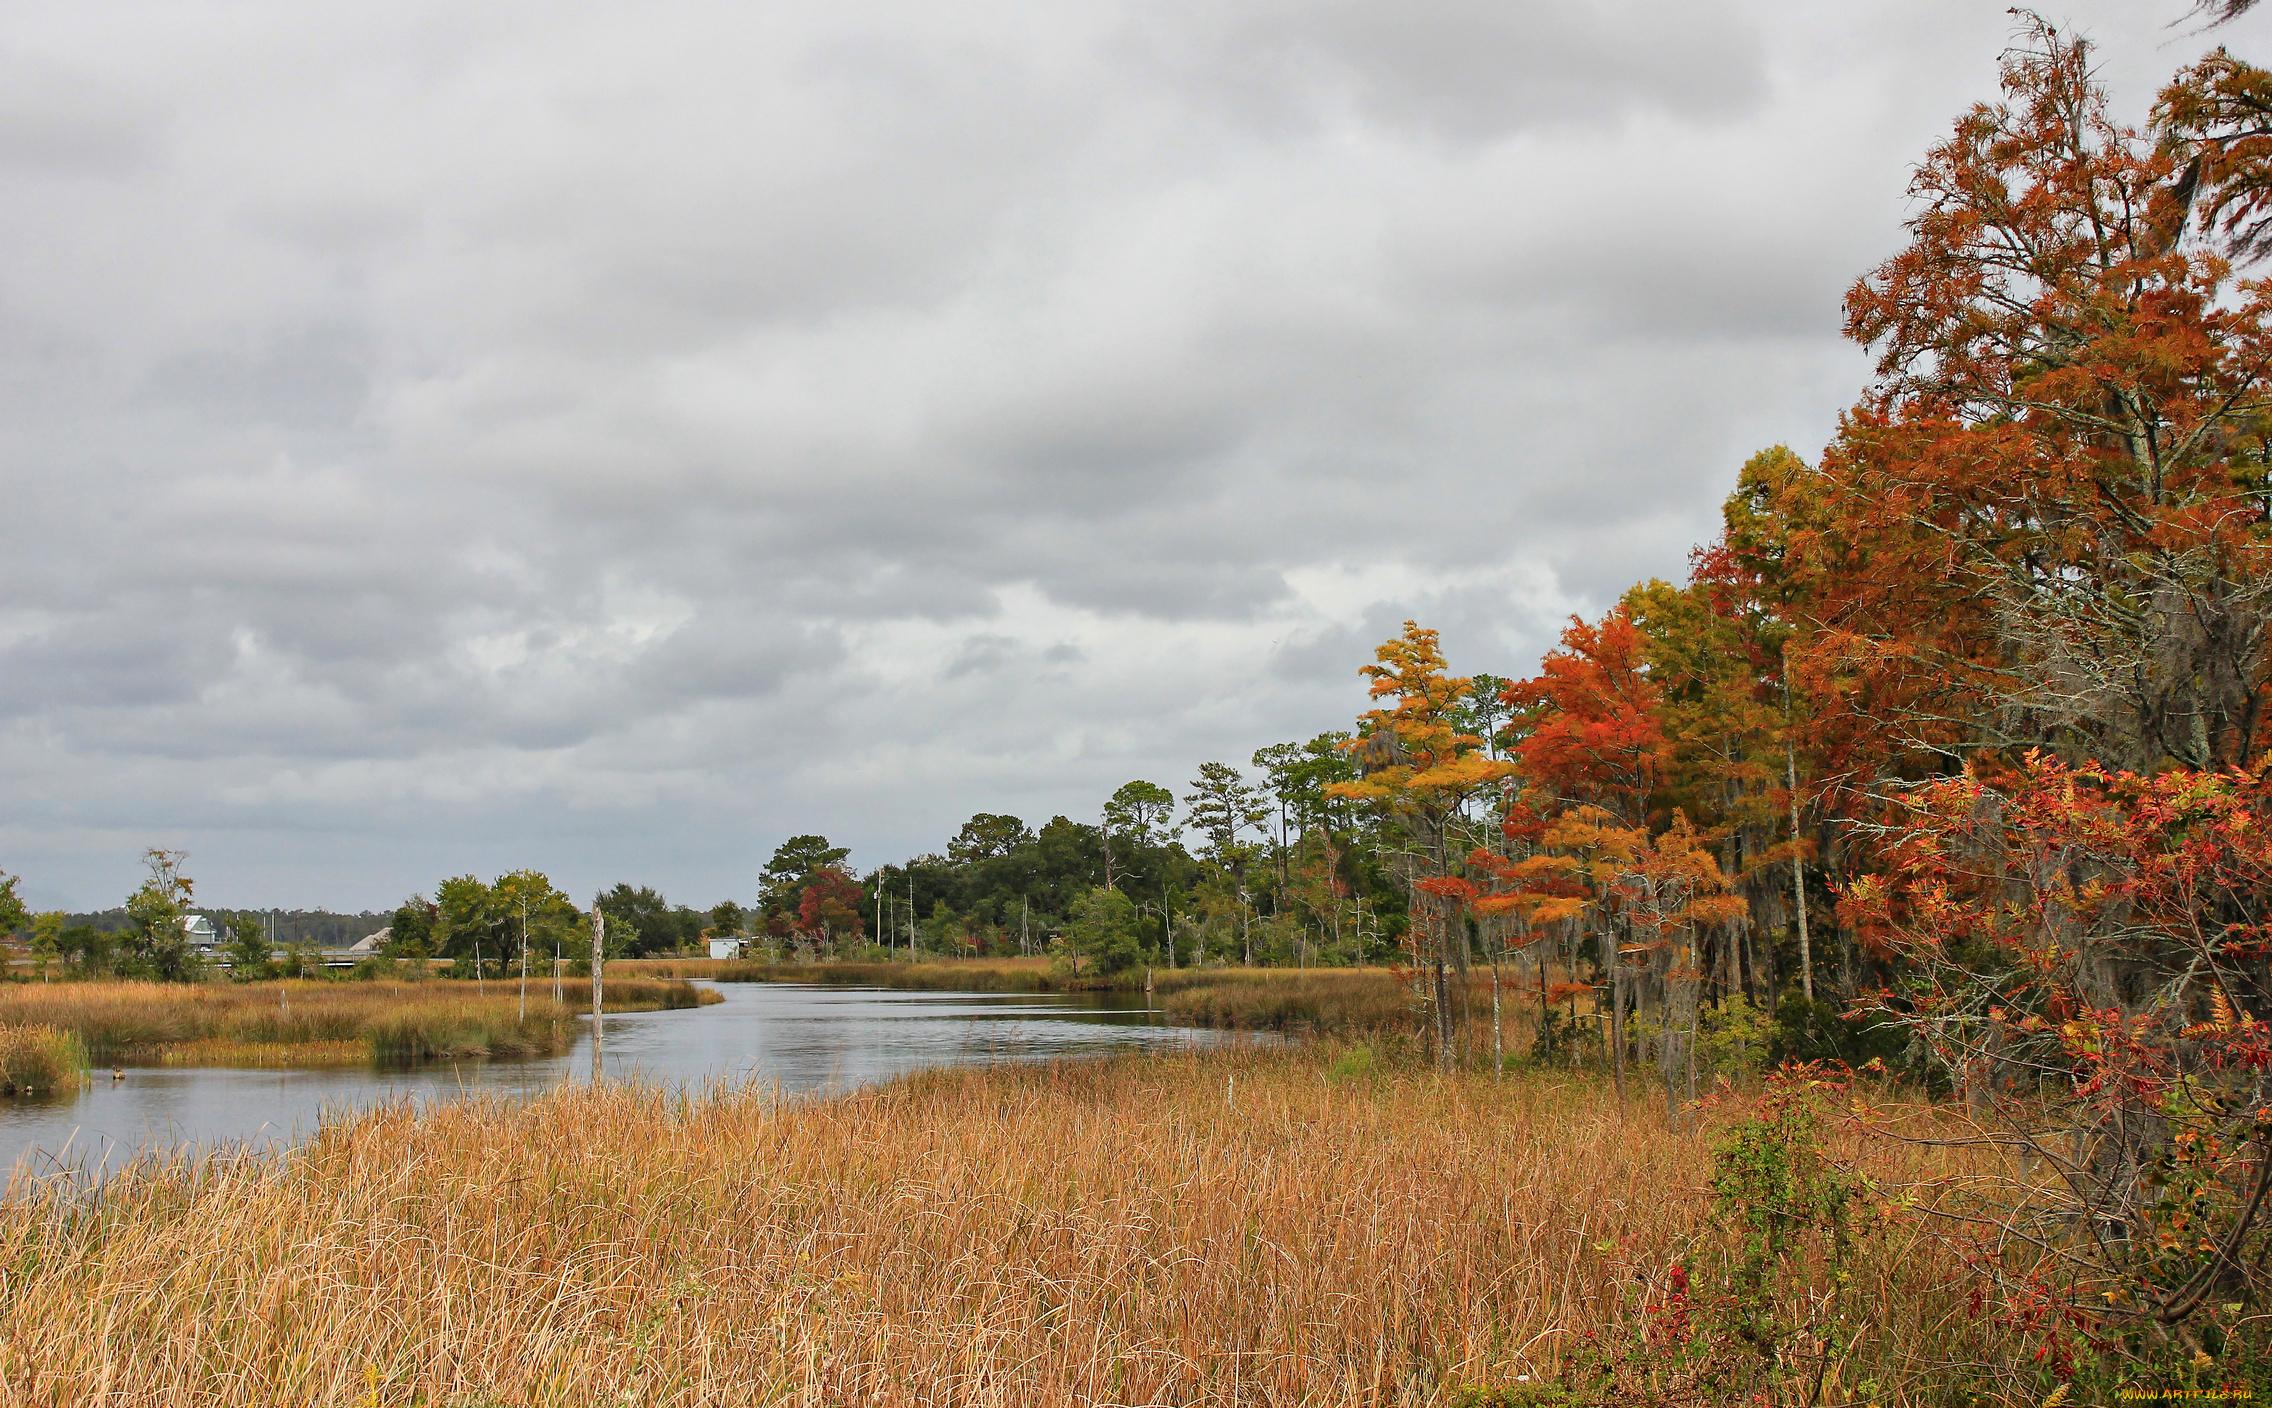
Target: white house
{"x": 725, "y": 945}
{"x": 370, "y": 944}
{"x": 200, "y": 932}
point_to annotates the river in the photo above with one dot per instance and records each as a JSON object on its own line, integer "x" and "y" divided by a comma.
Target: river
{"x": 796, "y": 1037}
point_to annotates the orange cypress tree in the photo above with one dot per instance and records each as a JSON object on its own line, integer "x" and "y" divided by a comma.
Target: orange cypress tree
{"x": 2046, "y": 523}
{"x": 1424, "y": 775}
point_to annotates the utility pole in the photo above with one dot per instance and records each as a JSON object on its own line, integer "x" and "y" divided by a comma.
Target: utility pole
{"x": 599, "y": 958}
{"x": 524, "y": 958}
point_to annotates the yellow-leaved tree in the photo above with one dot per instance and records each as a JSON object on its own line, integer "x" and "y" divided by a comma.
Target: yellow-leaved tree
{"x": 1424, "y": 778}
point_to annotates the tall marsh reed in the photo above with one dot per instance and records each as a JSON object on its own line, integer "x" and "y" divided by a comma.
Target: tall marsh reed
{"x": 264, "y": 1023}
{"x": 1243, "y": 1227}
{"x": 1340, "y": 1000}
{"x": 39, "y": 1060}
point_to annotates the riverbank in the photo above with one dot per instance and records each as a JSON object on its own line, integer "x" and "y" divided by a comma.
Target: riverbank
{"x": 1326, "y": 1001}
{"x": 309, "y": 1024}
{"x": 1291, "y": 1226}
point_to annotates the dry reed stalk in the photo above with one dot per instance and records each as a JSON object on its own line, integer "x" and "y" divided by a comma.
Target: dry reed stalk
{"x": 39, "y": 1060}
{"x": 1089, "y": 1233}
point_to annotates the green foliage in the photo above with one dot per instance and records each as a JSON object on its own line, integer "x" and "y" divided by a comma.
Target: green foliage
{"x": 248, "y": 950}
{"x": 726, "y": 918}
{"x": 1806, "y": 1031}
{"x": 1541, "y": 1395}
{"x": 1141, "y": 814}
{"x": 1223, "y": 807}
{"x": 410, "y": 934}
{"x": 1793, "y": 1210}
{"x": 155, "y": 945}
{"x": 47, "y": 939}
{"x": 988, "y": 836}
{"x": 1355, "y": 1064}
{"x": 653, "y": 924}
{"x": 1735, "y": 1038}
{"x": 462, "y": 919}
{"x": 1563, "y": 1039}
{"x": 13, "y": 914}
{"x": 1105, "y": 933}
{"x": 87, "y": 950}
{"x": 793, "y": 861}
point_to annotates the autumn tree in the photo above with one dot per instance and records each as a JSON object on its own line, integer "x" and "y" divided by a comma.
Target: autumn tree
{"x": 1588, "y": 727}
{"x": 2045, "y": 523}
{"x": 2085, "y": 963}
{"x": 829, "y": 905}
{"x": 1423, "y": 774}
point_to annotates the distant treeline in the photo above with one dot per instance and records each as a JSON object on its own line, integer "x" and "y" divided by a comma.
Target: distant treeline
{"x": 290, "y": 928}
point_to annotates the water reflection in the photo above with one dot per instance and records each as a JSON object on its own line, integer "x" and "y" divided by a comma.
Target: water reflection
{"x": 801, "y": 1038}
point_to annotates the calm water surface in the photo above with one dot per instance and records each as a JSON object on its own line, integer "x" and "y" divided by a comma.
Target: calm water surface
{"x": 800, "y": 1038}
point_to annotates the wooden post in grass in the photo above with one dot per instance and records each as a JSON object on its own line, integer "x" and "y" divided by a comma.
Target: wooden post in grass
{"x": 599, "y": 957}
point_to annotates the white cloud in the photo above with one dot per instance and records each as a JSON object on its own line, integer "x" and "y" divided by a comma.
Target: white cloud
{"x": 613, "y": 438}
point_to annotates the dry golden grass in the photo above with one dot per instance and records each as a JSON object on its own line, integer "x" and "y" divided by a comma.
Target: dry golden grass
{"x": 1320, "y": 999}
{"x": 39, "y": 1060}
{"x": 1239, "y": 1227}
{"x": 144, "y": 1022}
{"x": 261, "y": 1055}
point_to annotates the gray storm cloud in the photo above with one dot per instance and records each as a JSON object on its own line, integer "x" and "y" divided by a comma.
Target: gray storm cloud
{"x": 612, "y": 438}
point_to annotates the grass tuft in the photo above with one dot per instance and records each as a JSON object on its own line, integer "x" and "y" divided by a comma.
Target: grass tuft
{"x": 39, "y": 1060}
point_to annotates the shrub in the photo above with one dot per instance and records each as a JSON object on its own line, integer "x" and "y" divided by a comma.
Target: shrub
{"x": 1804, "y": 1032}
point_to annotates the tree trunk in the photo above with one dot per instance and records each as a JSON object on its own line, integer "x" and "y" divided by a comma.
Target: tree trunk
{"x": 1798, "y": 867}
{"x": 1443, "y": 1015}
{"x": 1616, "y": 1012}
{"x": 1545, "y": 1012}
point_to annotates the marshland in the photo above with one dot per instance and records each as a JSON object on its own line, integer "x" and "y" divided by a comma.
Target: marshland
{"x": 1312, "y": 1224}
{"x": 301, "y": 1022}
{"x": 1840, "y": 976}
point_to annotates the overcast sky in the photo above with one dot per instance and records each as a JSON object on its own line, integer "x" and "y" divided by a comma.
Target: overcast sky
{"x": 614, "y": 437}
